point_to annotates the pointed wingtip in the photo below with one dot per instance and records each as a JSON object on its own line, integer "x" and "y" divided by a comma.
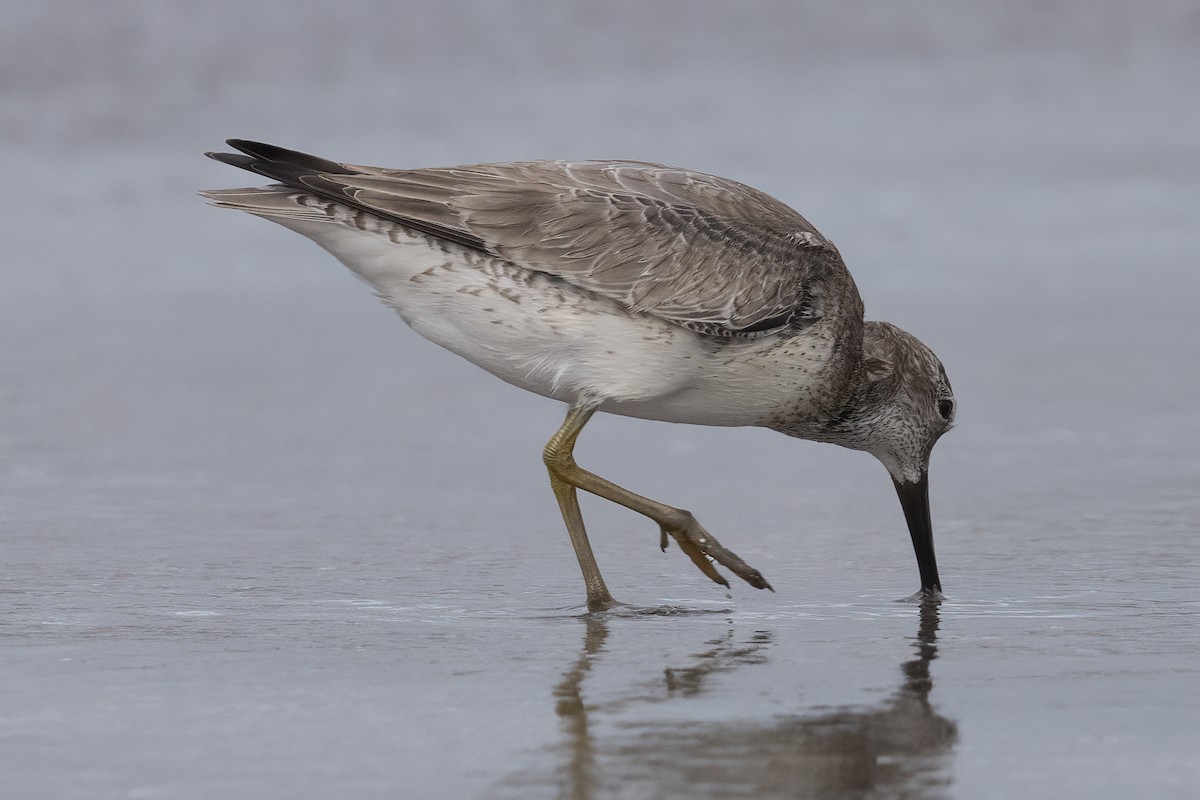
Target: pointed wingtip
{"x": 261, "y": 151}
{"x": 234, "y": 160}
{"x": 250, "y": 147}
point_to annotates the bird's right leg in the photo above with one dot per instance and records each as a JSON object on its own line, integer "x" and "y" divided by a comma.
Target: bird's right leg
{"x": 566, "y": 476}
{"x": 559, "y": 447}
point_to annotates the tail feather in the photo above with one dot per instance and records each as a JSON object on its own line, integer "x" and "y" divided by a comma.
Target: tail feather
{"x": 272, "y": 202}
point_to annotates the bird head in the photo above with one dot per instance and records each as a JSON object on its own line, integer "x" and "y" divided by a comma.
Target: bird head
{"x": 908, "y": 403}
{"x": 905, "y": 406}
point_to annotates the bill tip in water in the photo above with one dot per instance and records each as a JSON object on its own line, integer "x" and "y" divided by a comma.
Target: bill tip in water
{"x": 925, "y": 596}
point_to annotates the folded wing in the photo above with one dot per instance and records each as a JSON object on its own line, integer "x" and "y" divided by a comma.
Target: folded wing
{"x": 708, "y": 253}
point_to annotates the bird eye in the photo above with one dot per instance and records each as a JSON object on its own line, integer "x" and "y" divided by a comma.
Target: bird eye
{"x": 945, "y": 408}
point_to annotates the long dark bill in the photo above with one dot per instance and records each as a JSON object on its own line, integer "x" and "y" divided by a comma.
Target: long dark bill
{"x": 914, "y": 498}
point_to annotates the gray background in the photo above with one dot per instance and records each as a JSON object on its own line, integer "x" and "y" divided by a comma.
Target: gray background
{"x": 260, "y": 540}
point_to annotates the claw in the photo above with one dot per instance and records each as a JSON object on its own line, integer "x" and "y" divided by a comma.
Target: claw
{"x": 738, "y": 567}
{"x": 701, "y": 560}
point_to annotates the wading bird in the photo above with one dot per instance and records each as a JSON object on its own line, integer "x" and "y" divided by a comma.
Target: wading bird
{"x": 630, "y": 288}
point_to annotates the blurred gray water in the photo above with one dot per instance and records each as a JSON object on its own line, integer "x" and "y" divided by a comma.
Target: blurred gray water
{"x": 260, "y": 540}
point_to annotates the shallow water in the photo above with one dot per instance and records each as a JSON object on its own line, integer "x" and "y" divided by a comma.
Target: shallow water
{"x": 261, "y": 541}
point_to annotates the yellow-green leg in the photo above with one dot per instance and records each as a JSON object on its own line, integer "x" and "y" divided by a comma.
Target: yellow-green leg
{"x": 566, "y": 476}
{"x": 557, "y": 452}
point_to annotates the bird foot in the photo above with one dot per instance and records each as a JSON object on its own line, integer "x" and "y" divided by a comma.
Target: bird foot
{"x": 703, "y": 549}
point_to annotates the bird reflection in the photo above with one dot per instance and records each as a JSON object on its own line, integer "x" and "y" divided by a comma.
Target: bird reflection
{"x": 580, "y": 771}
{"x": 898, "y": 747}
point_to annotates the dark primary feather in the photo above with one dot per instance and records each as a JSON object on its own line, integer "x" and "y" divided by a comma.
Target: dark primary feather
{"x": 271, "y": 153}
{"x": 697, "y": 250}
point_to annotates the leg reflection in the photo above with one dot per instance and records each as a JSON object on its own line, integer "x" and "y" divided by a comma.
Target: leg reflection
{"x": 723, "y": 655}
{"x": 578, "y": 779}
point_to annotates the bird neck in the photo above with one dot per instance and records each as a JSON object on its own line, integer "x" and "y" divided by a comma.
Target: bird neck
{"x": 830, "y": 401}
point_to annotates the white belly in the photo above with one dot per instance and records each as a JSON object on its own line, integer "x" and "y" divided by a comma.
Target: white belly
{"x": 543, "y": 334}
